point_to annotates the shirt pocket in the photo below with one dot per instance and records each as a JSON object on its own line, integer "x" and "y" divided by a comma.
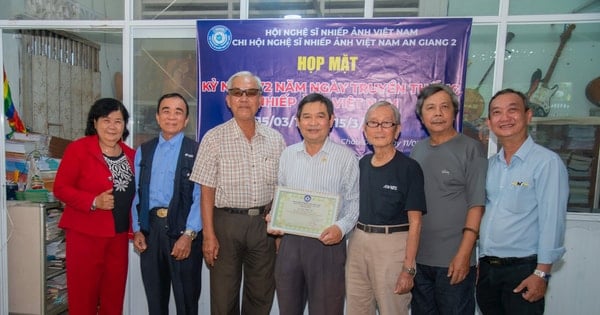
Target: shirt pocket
{"x": 520, "y": 197}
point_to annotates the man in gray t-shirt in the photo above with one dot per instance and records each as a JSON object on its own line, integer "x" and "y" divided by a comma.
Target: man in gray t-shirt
{"x": 454, "y": 167}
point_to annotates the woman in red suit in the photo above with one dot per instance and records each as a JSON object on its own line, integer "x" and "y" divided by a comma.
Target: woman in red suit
{"x": 95, "y": 181}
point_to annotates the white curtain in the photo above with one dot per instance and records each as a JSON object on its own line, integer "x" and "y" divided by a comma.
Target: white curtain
{"x": 60, "y": 80}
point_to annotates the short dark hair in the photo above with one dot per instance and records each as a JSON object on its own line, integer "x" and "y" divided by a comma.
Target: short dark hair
{"x": 102, "y": 108}
{"x": 173, "y": 95}
{"x": 510, "y": 91}
{"x": 315, "y": 97}
{"x": 432, "y": 89}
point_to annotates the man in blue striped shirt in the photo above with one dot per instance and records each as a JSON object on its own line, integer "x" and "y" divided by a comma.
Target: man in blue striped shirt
{"x": 310, "y": 269}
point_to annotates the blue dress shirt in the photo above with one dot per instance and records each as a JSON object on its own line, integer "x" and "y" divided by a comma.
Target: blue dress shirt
{"x": 161, "y": 182}
{"x": 526, "y": 204}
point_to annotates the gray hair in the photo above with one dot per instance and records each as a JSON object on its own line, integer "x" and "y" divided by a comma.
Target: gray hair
{"x": 244, "y": 74}
{"x": 382, "y": 104}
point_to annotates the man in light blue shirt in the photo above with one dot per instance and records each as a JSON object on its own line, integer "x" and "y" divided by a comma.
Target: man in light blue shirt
{"x": 166, "y": 212}
{"x": 523, "y": 227}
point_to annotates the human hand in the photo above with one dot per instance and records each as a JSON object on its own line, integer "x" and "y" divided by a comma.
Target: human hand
{"x": 331, "y": 235}
{"x": 106, "y": 200}
{"x": 210, "y": 249}
{"x": 272, "y": 231}
{"x": 404, "y": 283}
{"x": 182, "y": 248}
{"x": 532, "y": 289}
{"x": 139, "y": 242}
{"x": 458, "y": 269}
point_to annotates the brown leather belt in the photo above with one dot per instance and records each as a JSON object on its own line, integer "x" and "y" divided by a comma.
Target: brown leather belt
{"x": 383, "y": 229}
{"x": 247, "y": 211}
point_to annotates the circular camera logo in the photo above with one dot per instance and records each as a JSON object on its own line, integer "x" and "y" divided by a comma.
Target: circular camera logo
{"x": 219, "y": 37}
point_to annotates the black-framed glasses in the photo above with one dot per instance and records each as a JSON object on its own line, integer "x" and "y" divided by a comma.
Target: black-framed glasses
{"x": 239, "y": 92}
{"x": 384, "y": 124}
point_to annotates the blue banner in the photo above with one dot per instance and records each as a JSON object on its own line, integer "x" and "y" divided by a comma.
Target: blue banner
{"x": 355, "y": 62}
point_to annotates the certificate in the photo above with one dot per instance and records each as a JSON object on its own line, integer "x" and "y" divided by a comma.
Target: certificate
{"x": 302, "y": 212}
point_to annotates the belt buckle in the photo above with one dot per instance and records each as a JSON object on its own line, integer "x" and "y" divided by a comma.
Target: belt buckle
{"x": 162, "y": 212}
{"x": 253, "y": 212}
{"x": 495, "y": 261}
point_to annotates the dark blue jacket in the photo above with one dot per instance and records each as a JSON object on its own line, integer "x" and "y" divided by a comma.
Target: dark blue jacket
{"x": 183, "y": 187}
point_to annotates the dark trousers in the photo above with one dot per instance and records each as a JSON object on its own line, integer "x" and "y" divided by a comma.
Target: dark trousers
{"x": 244, "y": 247}
{"x": 495, "y": 289}
{"x": 308, "y": 271}
{"x": 433, "y": 294}
{"x": 160, "y": 271}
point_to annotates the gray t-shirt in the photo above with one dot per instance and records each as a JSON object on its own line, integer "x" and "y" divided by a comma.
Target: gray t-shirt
{"x": 454, "y": 174}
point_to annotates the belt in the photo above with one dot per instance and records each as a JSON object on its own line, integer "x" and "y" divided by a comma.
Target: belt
{"x": 384, "y": 229}
{"x": 247, "y": 211}
{"x": 507, "y": 261}
{"x": 161, "y": 212}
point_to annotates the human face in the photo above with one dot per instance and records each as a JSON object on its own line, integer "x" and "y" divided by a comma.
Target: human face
{"x": 380, "y": 137}
{"x": 314, "y": 123}
{"x": 437, "y": 113}
{"x": 110, "y": 128}
{"x": 244, "y": 107}
{"x": 508, "y": 118}
{"x": 171, "y": 117}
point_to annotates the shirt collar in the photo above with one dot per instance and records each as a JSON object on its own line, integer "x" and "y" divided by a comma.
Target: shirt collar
{"x": 258, "y": 130}
{"x": 176, "y": 139}
{"x": 326, "y": 148}
{"x": 521, "y": 153}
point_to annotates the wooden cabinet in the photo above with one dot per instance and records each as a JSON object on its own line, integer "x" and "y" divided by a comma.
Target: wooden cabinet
{"x": 36, "y": 281}
{"x": 576, "y": 140}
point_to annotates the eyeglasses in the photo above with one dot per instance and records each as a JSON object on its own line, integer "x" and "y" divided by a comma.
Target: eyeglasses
{"x": 239, "y": 92}
{"x": 384, "y": 124}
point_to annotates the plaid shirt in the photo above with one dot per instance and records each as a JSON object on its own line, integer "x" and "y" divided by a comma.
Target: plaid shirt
{"x": 243, "y": 172}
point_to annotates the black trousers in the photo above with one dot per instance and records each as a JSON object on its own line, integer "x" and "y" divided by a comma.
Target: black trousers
{"x": 495, "y": 289}
{"x": 160, "y": 271}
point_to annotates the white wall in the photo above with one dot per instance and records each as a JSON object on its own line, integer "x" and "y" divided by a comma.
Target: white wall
{"x": 573, "y": 288}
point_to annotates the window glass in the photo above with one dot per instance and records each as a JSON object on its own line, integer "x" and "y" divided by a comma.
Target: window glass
{"x": 386, "y": 8}
{"x": 553, "y": 7}
{"x": 305, "y": 8}
{"x": 556, "y": 65}
{"x": 539, "y": 60}
{"x": 162, "y": 66}
{"x": 479, "y": 83}
{"x": 472, "y": 7}
{"x": 186, "y": 9}
{"x": 56, "y": 75}
{"x": 63, "y": 10}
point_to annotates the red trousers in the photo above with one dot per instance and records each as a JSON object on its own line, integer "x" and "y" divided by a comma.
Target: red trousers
{"x": 96, "y": 273}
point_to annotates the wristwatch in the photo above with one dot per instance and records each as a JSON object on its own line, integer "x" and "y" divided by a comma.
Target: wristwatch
{"x": 93, "y": 207}
{"x": 541, "y": 274}
{"x": 410, "y": 270}
{"x": 191, "y": 233}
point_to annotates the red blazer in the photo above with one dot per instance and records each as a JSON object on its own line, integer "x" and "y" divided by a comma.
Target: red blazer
{"x": 82, "y": 175}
